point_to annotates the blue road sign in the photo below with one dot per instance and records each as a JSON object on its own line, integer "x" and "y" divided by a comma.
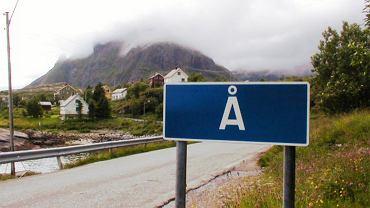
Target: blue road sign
{"x": 255, "y": 112}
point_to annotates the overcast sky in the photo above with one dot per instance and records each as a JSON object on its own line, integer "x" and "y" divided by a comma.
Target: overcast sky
{"x": 238, "y": 34}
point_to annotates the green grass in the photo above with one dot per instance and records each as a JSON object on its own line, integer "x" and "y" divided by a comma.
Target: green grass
{"x": 120, "y": 152}
{"x": 52, "y": 123}
{"x": 333, "y": 171}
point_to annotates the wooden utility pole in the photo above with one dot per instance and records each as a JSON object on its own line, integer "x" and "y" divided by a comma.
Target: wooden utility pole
{"x": 10, "y": 97}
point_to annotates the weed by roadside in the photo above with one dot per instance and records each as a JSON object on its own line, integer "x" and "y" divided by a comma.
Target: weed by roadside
{"x": 4, "y": 177}
{"x": 333, "y": 171}
{"x": 120, "y": 152}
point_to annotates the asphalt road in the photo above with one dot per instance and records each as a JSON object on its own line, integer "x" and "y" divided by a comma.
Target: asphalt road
{"x": 142, "y": 180}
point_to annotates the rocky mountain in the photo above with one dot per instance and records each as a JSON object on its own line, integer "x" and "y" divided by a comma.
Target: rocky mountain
{"x": 107, "y": 65}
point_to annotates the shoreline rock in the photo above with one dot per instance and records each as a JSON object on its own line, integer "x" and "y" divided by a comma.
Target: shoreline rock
{"x": 34, "y": 139}
{"x": 44, "y": 138}
{"x": 21, "y": 141}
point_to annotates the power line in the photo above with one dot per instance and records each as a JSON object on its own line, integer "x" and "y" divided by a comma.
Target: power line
{"x": 11, "y": 16}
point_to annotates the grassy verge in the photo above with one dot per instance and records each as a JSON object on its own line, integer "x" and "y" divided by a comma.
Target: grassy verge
{"x": 333, "y": 171}
{"x": 120, "y": 152}
{"x": 4, "y": 177}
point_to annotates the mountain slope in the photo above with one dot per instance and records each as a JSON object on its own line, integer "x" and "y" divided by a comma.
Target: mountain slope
{"x": 106, "y": 65}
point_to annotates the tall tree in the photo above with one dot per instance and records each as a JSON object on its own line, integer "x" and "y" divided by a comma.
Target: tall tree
{"x": 92, "y": 109}
{"x": 99, "y": 92}
{"x": 16, "y": 100}
{"x": 88, "y": 93}
{"x": 34, "y": 108}
{"x": 342, "y": 76}
{"x": 367, "y": 13}
{"x": 196, "y": 77}
{"x": 100, "y": 102}
{"x": 134, "y": 90}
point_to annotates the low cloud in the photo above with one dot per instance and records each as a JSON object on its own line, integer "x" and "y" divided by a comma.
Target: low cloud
{"x": 247, "y": 35}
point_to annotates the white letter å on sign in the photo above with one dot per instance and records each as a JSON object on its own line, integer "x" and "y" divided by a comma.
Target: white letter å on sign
{"x": 232, "y": 102}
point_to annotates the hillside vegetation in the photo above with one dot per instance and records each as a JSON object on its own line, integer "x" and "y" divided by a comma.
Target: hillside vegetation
{"x": 333, "y": 171}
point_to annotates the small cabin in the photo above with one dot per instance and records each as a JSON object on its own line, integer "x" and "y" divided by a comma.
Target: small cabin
{"x": 46, "y": 106}
{"x": 157, "y": 80}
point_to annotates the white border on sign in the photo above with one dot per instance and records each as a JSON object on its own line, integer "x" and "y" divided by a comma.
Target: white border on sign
{"x": 238, "y": 83}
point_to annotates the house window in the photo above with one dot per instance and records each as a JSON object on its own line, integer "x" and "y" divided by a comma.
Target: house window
{"x": 78, "y": 106}
{"x": 178, "y": 73}
{"x": 183, "y": 80}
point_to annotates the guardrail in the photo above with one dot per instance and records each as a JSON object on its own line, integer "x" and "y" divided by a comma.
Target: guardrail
{"x": 7, "y": 157}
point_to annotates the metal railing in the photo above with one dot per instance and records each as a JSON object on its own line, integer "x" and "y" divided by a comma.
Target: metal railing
{"x": 7, "y": 157}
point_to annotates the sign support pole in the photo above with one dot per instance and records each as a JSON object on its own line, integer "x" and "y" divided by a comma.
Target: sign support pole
{"x": 181, "y": 155}
{"x": 289, "y": 176}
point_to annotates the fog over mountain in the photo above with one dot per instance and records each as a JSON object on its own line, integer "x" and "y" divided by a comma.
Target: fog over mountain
{"x": 240, "y": 35}
{"x": 108, "y": 64}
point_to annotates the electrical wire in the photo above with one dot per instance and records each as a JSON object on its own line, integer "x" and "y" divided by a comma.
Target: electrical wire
{"x": 11, "y": 16}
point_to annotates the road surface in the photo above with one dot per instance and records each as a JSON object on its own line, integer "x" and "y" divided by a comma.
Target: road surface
{"x": 142, "y": 180}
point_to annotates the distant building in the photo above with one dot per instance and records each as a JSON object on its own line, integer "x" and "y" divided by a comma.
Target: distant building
{"x": 65, "y": 92}
{"x": 4, "y": 98}
{"x": 107, "y": 91}
{"x": 156, "y": 80}
{"x": 119, "y": 94}
{"x": 46, "y": 106}
{"x": 68, "y": 108}
{"x": 176, "y": 75}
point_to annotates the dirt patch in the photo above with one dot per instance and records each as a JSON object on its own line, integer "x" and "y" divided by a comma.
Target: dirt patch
{"x": 214, "y": 192}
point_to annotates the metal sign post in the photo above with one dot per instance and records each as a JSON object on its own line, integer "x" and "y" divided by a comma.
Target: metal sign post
{"x": 254, "y": 112}
{"x": 289, "y": 177}
{"x": 181, "y": 155}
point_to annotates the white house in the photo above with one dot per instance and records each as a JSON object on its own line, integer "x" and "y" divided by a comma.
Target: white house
{"x": 176, "y": 75}
{"x": 119, "y": 94}
{"x": 68, "y": 108}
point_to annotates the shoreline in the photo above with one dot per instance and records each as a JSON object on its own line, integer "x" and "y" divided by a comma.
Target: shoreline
{"x": 34, "y": 139}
